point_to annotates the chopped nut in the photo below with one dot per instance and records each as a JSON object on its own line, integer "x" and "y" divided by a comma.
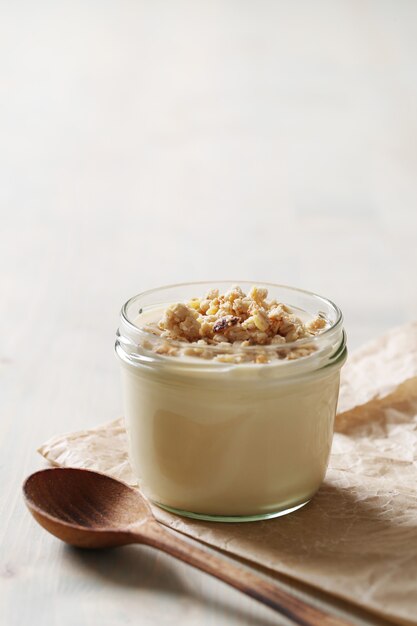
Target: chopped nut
{"x": 261, "y": 358}
{"x": 258, "y": 295}
{"x": 166, "y": 348}
{"x": 225, "y": 322}
{"x": 276, "y": 313}
{"x": 298, "y": 353}
{"x": 261, "y": 321}
{"x": 317, "y": 324}
{"x": 278, "y": 339}
{"x": 212, "y": 294}
{"x": 204, "y": 306}
{"x": 194, "y": 303}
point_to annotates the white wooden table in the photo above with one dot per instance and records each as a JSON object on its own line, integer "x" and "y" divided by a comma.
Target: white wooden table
{"x": 143, "y": 143}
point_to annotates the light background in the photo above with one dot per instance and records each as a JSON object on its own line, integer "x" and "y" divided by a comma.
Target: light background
{"x": 150, "y": 142}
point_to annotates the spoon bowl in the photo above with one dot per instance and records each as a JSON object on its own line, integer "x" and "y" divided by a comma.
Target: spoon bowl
{"x": 85, "y": 509}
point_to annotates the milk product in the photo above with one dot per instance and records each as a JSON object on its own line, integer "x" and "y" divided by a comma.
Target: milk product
{"x": 232, "y": 439}
{"x": 225, "y": 445}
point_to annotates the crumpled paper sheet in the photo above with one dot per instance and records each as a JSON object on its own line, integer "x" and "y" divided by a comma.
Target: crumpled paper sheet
{"x": 357, "y": 538}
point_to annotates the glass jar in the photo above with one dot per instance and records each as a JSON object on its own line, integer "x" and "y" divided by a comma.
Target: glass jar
{"x": 229, "y": 441}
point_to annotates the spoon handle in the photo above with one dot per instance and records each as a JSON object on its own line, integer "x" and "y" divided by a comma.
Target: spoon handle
{"x": 248, "y": 581}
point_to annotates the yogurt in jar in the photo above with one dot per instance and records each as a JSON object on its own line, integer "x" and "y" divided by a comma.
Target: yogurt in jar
{"x": 221, "y": 427}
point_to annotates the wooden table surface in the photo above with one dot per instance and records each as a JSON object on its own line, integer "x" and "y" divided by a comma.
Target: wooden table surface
{"x": 144, "y": 143}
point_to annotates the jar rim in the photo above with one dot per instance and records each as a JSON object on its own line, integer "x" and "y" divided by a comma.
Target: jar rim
{"x": 334, "y": 328}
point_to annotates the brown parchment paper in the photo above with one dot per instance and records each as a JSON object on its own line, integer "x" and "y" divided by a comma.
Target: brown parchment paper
{"x": 357, "y": 539}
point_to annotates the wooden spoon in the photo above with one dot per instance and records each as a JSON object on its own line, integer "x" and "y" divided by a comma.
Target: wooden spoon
{"x": 91, "y": 510}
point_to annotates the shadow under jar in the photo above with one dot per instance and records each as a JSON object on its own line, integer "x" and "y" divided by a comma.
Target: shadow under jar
{"x": 229, "y": 441}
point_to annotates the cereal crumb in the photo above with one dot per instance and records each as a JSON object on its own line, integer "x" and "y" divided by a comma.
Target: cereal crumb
{"x": 180, "y": 321}
{"x": 233, "y": 322}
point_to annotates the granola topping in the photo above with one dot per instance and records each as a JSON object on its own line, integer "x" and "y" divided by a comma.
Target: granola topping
{"x": 231, "y": 322}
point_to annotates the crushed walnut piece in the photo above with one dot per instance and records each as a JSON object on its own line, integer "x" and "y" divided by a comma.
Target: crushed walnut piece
{"x": 231, "y": 322}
